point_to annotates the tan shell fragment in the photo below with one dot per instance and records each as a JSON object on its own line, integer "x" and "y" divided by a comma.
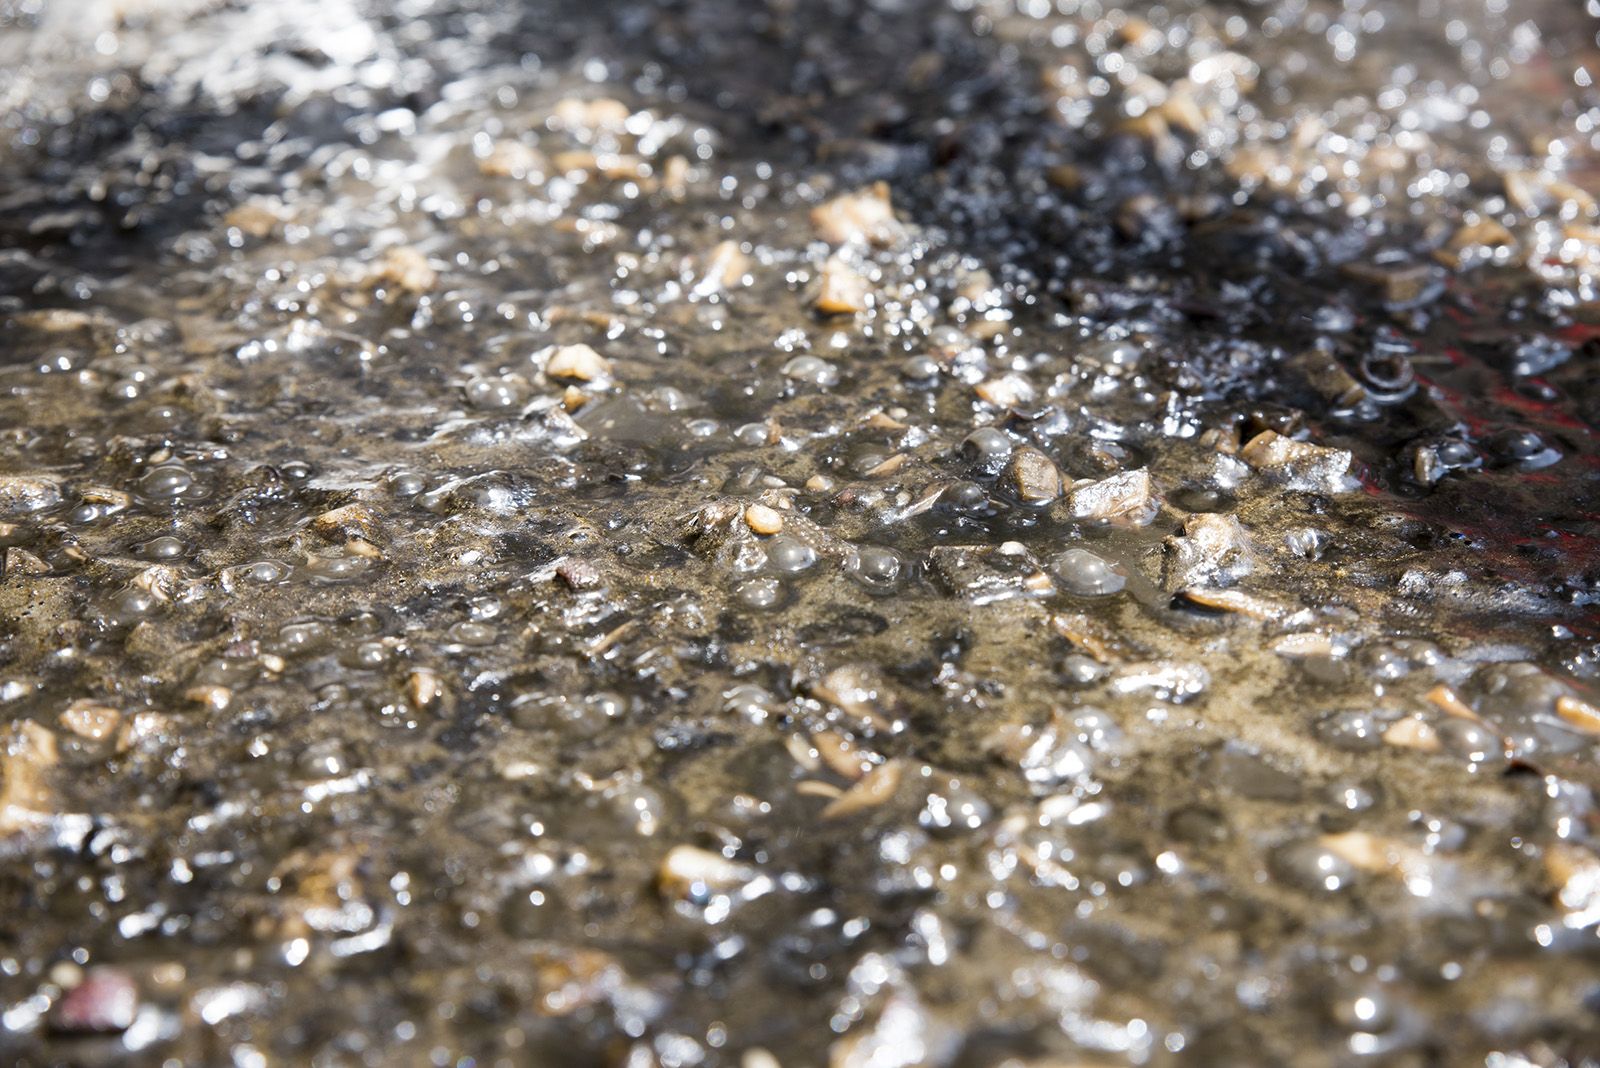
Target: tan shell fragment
{"x": 91, "y": 720}
{"x": 1092, "y": 637}
{"x": 350, "y": 520}
{"x": 1445, "y": 699}
{"x": 1033, "y": 476}
{"x": 842, "y": 290}
{"x": 1006, "y": 391}
{"x": 1580, "y": 713}
{"x": 424, "y": 688}
{"x": 257, "y": 217}
{"x": 27, "y": 753}
{"x": 577, "y": 362}
{"x": 1237, "y": 602}
{"x": 1126, "y": 498}
{"x": 842, "y": 756}
{"x": 1299, "y": 465}
{"x": 404, "y": 269}
{"x": 762, "y": 519}
{"x": 1378, "y": 855}
{"x": 865, "y": 215}
{"x": 1412, "y": 733}
{"x": 686, "y": 867}
{"x": 725, "y": 267}
{"x": 601, "y": 113}
{"x": 214, "y": 698}
{"x": 875, "y": 788}
{"x": 1575, "y": 871}
{"x": 509, "y": 158}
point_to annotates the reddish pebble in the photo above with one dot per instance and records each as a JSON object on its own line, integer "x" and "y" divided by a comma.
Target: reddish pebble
{"x": 106, "y": 1001}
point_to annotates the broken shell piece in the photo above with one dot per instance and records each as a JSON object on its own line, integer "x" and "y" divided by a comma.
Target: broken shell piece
{"x": 1213, "y": 550}
{"x": 1576, "y": 874}
{"x": 1168, "y": 681}
{"x": 1088, "y": 635}
{"x": 404, "y": 269}
{"x": 865, "y": 215}
{"x": 762, "y": 519}
{"x": 1237, "y": 602}
{"x": 1299, "y": 465}
{"x": 1580, "y": 713}
{"x": 1126, "y": 498}
{"x": 725, "y": 267}
{"x": 1033, "y": 476}
{"x": 1006, "y": 391}
{"x": 603, "y": 113}
{"x": 214, "y": 698}
{"x": 424, "y": 688}
{"x": 577, "y": 362}
{"x": 511, "y": 159}
{"x": 27, "y": 753}
{"x": 1379, "y": 855}
{"x": 350, "y": 520}
{"x": 257, "y": 217}
{"x": 875, "y": 788}
{"x": 1444, "y": 698}
{"x": 709, "y": 881}
{"x": 1412, "y": 733}
{"x": 841, "y": 755}
{"x": 842, "y": 290}
{"x": 91, "y": 720}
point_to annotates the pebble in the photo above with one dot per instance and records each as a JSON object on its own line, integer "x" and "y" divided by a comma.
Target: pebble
{"x": 22, "y": 494}
{"x": 106, "y": 1002}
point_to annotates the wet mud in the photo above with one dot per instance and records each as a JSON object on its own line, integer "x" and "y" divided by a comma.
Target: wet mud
{"x": 799, "y": 533}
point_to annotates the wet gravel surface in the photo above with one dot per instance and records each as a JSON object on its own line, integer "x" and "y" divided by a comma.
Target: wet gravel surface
{"x": 795, "y": 533}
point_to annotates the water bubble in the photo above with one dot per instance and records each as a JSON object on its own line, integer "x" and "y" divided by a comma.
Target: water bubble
{"x": 165, "y": 482}
{"x": 813, "y": 371}
{"x": 1310, "y": 865}
{"x": 789, "y": 554}
{"x": 1083, "y": 573}
{"x": 986, "y": 449}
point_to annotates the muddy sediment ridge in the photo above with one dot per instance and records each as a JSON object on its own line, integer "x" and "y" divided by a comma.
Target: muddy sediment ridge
{"x": 791, "y": 533}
